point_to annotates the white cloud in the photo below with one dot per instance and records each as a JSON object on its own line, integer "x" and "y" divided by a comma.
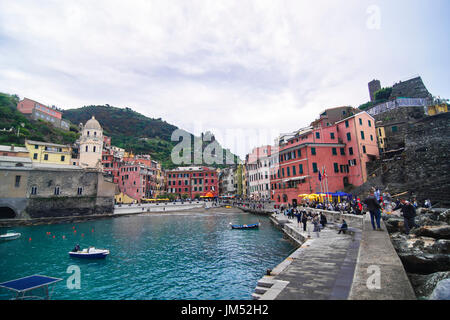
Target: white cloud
{"x": 269, "y": 65}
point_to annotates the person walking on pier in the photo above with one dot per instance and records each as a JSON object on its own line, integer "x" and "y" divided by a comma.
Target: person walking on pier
{"x": 375, "y": 210}
{"x": 304, "y": 215}
{"x": 344, "y": 227}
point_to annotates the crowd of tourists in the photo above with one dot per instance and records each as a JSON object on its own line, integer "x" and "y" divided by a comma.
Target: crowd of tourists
{"x": 375, "y": 204}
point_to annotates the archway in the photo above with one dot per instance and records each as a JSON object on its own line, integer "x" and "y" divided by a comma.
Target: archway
{"x": 7, "y": 213}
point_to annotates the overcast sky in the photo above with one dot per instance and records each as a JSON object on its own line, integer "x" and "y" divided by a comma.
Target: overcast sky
{"x": 246, "y": 69}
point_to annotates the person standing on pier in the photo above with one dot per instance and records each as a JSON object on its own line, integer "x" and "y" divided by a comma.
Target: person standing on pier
{"x": 375, "y": 210}
{"x": 409, "y": 213}
{"x": 323, "y": 220}
{"x": 316, "y": 223}
{"x": 304, "y": 217}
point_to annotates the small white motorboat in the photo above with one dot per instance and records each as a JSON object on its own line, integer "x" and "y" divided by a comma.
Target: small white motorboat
{"x": 10, "y": 236}
{"x": 90, "y": 253}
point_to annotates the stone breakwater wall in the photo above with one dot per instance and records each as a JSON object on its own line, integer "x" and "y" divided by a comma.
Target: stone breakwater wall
{"x": 291, "y": 234}
{"x": 336, "y": 217}
{"x": 159, "y": 207}
{"x": 260, "y": 208}
{"x": 56, "y": 220}
{"x": 71, "y": 216}
{"x": 68, "y": 206}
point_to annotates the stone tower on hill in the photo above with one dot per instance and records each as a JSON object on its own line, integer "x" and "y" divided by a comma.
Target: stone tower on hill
{"x": 374, "y": 86}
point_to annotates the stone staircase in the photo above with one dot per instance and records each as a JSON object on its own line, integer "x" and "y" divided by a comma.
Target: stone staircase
{"x": 263, "y": 285}
{"x": 268, "y": 288}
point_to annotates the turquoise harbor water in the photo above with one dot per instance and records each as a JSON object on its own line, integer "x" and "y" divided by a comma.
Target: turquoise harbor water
{"x": 165, "y": 257}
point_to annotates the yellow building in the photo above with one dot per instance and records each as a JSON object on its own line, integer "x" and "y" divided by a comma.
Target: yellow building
{"x": 160, "y": 182}
{"x": 123, "y": 198}
{"x": 245, "y": 192}
{"x": 51, "y": 153}
{"x": 381, "y": 138}
{"x": 437, "y": 108}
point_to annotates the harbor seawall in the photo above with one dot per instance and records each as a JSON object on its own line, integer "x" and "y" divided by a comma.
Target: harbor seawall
{"x": 332, "y": 266}
{"x": 118, "y": 211}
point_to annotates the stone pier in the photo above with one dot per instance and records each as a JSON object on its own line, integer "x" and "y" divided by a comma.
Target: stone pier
{"x": 332, "y": 266}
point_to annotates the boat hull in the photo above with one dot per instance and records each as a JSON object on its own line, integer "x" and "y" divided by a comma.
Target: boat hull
{"x": 7, "y": 237}
{"x": 97, "y": 255}
{"x": 245, "y": 226}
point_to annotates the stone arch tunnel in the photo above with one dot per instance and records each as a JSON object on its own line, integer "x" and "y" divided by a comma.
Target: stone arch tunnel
{"x": 7, "y": 213}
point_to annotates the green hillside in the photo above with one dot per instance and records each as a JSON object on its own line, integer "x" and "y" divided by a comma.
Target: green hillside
{"x": 128, "y": 129}
{"x": 131, "y": 130}
{"x": 15, "y": 127}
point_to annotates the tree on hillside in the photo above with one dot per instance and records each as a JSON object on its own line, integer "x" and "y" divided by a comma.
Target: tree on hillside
{"x": 383, "y": 94}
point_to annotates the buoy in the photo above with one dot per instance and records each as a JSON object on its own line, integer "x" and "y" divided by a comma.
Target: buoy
{"x": 73, "y": 227}
{"x": 92, "y": 230}
{"x": 74, "y": 231}
{"x": 63, "y": 237}
{"x": 82, "y": 234}
{"x": 53, "y": 237}
{"x": 29, "y": 239}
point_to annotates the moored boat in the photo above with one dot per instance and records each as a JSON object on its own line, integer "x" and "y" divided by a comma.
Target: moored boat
{"x": 245, "y": 226}
{"x": 10, "y": 236}
{"x": 90, "y": 253}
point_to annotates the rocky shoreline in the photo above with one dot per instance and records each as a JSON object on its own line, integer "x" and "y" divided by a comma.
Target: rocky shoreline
{"x": 425, "y": 253}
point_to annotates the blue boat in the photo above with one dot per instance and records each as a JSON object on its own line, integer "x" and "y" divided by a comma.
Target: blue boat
{"x": 245, "y": 226}
{"x": 90, "y": 253}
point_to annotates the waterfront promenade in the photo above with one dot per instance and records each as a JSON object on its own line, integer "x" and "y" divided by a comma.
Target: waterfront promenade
{"x": 321, "y": 269}
{"x": 336, "y": 266}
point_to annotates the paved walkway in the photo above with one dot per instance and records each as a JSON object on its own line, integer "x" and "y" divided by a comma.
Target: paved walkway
{"x": 377, "y": 255}
{"x": 322, "y": 269}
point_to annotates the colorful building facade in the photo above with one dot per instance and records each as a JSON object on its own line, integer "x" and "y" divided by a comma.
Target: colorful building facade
{"x": 338, "y": 151}
{"x": 258, "y": 163}
{"x": 192, "y": 182}
{"x": 38, "y": 111}
{"x": 49, "y": 153}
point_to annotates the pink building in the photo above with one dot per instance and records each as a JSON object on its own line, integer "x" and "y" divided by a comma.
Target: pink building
{"x": 134, "y": 180}
{"x": 38, "y": 111}
{"x": 110, "y": 161}
{"x": 340, "y": 150}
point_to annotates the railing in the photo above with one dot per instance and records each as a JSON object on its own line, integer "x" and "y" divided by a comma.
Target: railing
{"x": 399, "y": 102}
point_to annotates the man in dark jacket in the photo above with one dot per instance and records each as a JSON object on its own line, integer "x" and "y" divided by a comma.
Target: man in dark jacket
{"x": 375, "y": 210}
{"x": 344, "y": 227}
{"x": 304, "y": 217}
{"x": 409, "y": 213}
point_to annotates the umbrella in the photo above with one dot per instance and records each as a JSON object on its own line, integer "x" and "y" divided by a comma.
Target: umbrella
{"x": 208, "y": 195}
